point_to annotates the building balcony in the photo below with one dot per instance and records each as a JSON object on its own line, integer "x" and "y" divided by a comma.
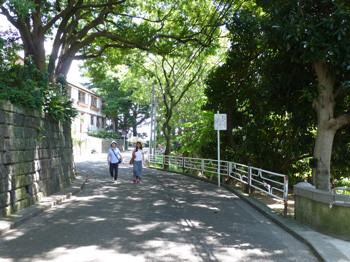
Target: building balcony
{"x": 94, "y": 108}
{"x": 82, "y": 104}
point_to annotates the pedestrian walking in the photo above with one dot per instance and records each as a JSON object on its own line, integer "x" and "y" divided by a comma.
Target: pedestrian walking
{"x": 114, "y": 158}
{"x": 138, "y": 158}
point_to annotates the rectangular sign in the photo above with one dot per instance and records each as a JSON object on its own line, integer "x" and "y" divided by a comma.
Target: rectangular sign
{"x": 220, "y": 122}
{"x": 123, "y": 133}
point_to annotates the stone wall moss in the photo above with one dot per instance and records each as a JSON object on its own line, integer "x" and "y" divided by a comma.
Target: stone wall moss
{"x": 36, "y": 157}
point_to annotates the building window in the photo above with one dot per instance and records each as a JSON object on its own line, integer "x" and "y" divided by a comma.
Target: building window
{"x": 98, "y": 122}
{"x": 94, "y": 101}
{"x": 92, "y": 120}
{"x": 69, "y": 92}
{"x": 81, "y": 97}
{"x": 102, "y": 122}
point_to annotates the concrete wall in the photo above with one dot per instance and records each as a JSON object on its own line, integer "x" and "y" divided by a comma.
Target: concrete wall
{"x": 35, "y": 157}
{"x": 99, "y": 145}
{"x": 325, "y": 212}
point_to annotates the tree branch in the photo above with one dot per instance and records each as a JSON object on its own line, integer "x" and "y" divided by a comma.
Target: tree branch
{"x": 340, "y": 121}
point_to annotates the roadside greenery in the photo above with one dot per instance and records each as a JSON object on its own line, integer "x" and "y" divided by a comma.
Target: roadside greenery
{"x": 106, "y": 134}
{"x": 27, "y": 86}
{"x": 283, "y": 79}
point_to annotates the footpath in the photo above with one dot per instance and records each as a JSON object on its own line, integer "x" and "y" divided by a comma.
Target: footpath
{"x": 324, "y": 247}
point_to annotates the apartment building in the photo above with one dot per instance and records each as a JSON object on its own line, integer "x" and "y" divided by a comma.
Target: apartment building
{"x": 89, "y": 104}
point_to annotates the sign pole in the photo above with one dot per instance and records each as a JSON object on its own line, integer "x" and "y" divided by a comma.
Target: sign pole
{"x": 220, "y": 123}
{"x": 218, "y": 157}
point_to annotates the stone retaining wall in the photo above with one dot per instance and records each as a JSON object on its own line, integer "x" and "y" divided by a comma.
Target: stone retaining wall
{"x": 97, "y": 145}
{"x": 36, "y": 157}
{"x": 323, "y": 211}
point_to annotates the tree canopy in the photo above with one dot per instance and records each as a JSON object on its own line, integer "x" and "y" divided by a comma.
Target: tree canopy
{"x": 86, "y": 29}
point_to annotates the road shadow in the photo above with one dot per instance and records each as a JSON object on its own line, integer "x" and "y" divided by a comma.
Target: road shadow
{"x": 168, "y": 217}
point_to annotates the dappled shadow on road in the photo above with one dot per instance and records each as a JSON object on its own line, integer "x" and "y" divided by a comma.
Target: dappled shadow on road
{"x": 168, "y": 217}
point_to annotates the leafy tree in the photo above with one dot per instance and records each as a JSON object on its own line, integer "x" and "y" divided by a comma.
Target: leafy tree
{"x": 318, "y": 35}
{"x": 86, "y": 29}
{"x": 257, "y": 87}
{"x": 119, "y": 106}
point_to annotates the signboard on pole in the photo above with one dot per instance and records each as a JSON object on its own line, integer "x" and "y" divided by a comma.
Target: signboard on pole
{"x": 220, "y": 121}
{"x": 123, "y": 134}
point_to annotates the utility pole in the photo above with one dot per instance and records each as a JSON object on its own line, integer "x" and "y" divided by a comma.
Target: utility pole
{"x": 153, "y": 134}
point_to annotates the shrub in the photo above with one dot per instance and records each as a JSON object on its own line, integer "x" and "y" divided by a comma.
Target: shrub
{"x": 106, "y": 134}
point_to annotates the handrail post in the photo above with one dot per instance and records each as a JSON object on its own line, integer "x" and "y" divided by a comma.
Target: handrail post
{"x": 229, "y": 165}
{"x": 202, "y": 167}
{"x": 249, "y": 180}
{"x": 183, "y": 164}
{"x": 285, "y": 196}
{"x": 164, "y": 161}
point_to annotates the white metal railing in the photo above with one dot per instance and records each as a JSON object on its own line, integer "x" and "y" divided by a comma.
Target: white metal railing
{"x": 271, "y": 183}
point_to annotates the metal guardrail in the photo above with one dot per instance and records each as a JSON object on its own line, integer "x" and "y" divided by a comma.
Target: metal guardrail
{"x": 273, "y": 184}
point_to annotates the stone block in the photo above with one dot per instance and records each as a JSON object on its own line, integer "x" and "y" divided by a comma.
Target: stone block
{"x": 3, "y": 128}
{"x": 6, "y": 158}
{"x": 5, "y": 199}
{"x": 3, "y": 170}
{"x": 30, "y": 143}
{"x": 15, "y": 119}
{"x": 21, "y": 204}
{"x": 32, "y": 122}
{"x": 31, "y": 132}
{"x": 36, "y": 176}
{"x": 38, "y": 197}
{"x": 21, "y": 181}
{"x": 18, "y": 194}
{"x": 14, "y": 132}
{"x": 2, "y": 116}
{"x": 34, "y": 189}
{"x": 5, "y": 105}
{"x": 15, "y": 144}
{"x": 4, "y": 185}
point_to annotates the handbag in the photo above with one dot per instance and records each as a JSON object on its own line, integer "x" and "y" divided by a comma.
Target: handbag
{"x": 132, "y": 159}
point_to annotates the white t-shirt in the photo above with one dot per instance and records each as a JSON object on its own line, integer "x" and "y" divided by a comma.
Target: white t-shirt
{"x": 138, "y": 155}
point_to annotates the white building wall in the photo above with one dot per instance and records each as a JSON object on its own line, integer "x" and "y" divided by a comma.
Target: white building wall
{"x": 81, "y": 125}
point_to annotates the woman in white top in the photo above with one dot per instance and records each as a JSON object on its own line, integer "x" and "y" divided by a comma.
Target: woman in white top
{"x": 139, "y": 159}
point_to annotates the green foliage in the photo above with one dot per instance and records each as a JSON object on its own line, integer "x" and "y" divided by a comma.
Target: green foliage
{"x": 23, "y": 85}
{"x": 58, "y": 107}
{"x": 30, "y": 87}
{"x": 121, "y": 105}
{"x": 106, "y": 134}
{"x": 267, "y": 85}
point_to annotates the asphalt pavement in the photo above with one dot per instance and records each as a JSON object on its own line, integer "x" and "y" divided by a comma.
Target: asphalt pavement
{"x": 167, "y": 217}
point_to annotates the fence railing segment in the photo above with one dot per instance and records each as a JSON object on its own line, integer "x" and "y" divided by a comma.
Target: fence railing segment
{"x": 271, "y": 183}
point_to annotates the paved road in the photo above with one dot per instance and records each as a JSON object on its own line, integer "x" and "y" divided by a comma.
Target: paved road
{"x": 168, "y": 217}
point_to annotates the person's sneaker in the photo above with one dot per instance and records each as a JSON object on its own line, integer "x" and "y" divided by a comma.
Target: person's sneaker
{"x": 134, "y": 181}
{"x": 138, "y": 181}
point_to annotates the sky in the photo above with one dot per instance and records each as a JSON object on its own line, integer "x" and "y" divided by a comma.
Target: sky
{"x": 75, "y": 75}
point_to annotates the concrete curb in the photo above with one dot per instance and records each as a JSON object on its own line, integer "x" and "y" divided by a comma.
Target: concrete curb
{"x": 291, "y": 226}
{"x": 46, "y": 203}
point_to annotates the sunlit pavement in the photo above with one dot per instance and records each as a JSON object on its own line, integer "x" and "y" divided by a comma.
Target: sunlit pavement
{"x": 167, "y": 217}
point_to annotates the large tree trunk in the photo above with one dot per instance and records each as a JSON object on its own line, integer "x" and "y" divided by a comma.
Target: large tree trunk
{"x": 167, "y": 136}
{"x": 115, "y": 124}
{"x": 229, "y": 136}
{"x": 324, "y": 107}
{"x": 134, "y": 130}
{"x": 63, "y": 66}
